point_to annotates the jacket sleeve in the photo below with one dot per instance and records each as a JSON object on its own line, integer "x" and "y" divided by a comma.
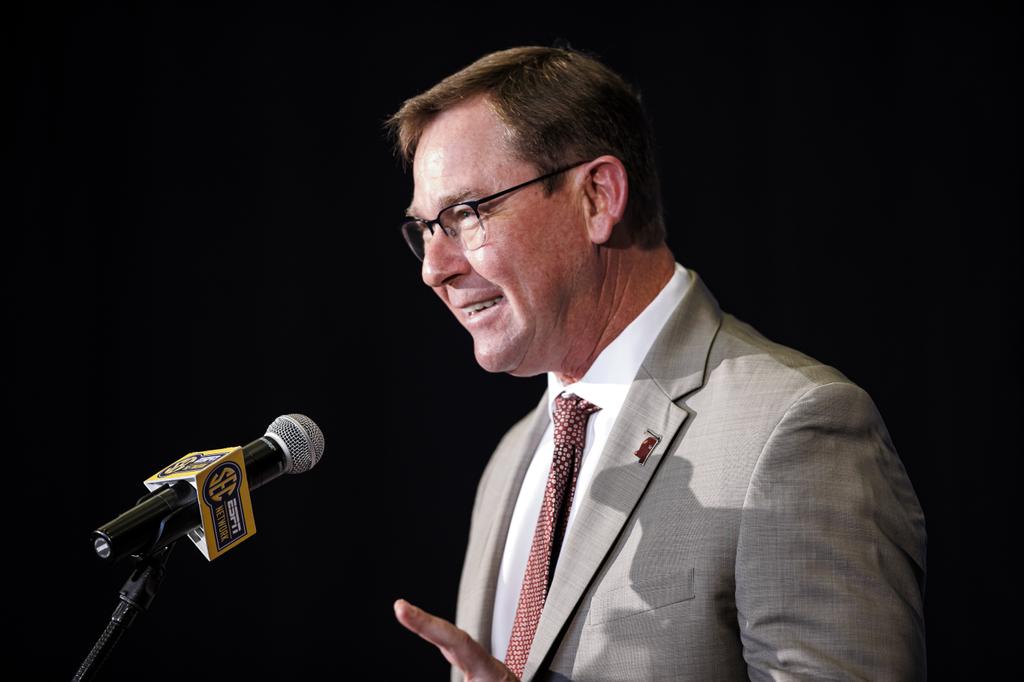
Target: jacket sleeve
{"x": 830, "y": 565}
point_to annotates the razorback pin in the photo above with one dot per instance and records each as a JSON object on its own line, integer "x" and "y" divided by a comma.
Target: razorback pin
{"x": 647, "y": 446}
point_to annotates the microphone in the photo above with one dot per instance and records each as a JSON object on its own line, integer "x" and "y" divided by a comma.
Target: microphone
{"x": 293, "y": 444}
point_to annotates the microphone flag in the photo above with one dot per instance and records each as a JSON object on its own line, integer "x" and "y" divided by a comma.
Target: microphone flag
{"x": 222, "y": 490}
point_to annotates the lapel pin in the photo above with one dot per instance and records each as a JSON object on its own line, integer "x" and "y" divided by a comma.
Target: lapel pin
{"x": 647, "y": 447}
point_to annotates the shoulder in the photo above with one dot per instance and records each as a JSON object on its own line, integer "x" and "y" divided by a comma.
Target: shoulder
{"x": 741, "y": 353}
{"x": 751, "y": 382}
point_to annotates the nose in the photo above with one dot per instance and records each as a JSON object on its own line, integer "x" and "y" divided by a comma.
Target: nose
{"x": 443, "y": 258}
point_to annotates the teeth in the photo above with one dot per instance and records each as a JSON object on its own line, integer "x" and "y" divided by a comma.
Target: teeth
{"x": 476, "y": 307}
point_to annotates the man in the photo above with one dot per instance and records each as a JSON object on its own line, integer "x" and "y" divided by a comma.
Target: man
{"x": 688, "y": 500}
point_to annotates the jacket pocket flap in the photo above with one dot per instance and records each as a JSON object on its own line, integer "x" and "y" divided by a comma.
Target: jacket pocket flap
{"x": 639, "y": 597}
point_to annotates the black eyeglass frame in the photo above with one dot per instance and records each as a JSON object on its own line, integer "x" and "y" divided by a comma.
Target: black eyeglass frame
{"x": 474, "y": 203}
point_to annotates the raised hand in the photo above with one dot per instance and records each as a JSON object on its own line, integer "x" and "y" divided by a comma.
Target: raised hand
{"x": 456, "y": 645}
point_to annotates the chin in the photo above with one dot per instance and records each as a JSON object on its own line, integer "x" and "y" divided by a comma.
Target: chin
{"x": 504, "y": 365}
{"x": 492, "y": 364}
{"x": 505, "y": 353}
{"x": 497, "y": 361}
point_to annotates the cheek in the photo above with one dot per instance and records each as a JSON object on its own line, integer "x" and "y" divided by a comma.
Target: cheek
{"x": 479, "y": 260}
{"x": 528, "y": 265}
{"x": 493, "y": 263}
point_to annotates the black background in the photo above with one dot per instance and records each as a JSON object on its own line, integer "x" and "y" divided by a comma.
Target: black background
{"x": 202, "y": 235}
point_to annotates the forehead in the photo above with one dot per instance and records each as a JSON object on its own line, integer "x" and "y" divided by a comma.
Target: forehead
{"x": 462, "y": 154}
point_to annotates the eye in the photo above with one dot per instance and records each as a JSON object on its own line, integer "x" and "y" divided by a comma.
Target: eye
{"x": 459, "y": 218}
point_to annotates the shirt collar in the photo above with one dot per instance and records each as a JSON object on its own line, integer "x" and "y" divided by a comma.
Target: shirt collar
{"x": 607, "y": 381}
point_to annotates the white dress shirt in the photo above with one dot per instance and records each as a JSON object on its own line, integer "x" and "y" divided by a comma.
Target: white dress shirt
{"x": 605, "y": 384}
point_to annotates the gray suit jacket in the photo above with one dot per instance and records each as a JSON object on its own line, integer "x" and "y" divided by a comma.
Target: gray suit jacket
{"x": 772, "y": 533}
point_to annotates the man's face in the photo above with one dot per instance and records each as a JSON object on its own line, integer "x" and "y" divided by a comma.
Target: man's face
{"x": 535, "y": 258}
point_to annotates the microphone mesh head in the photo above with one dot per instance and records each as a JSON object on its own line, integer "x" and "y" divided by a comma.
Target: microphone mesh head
{"x": 303, "y": 441}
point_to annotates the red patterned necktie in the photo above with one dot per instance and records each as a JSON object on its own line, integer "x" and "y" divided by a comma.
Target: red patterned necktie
{"x": 570, "y": 426}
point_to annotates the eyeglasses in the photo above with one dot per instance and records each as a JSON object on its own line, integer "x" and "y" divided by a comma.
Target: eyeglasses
{"x": 461, "y": 220}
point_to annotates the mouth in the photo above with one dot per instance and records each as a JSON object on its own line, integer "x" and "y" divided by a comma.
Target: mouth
{"x": 472, "y": 311}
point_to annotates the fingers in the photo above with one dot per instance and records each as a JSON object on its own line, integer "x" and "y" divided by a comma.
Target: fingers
{"x": 435, "y": 630}
{"x": 455, "y": 644}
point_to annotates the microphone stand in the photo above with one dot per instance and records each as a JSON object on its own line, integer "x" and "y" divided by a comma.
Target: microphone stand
{"x": 135, "y": 597}
{"x": 139, "y": 590}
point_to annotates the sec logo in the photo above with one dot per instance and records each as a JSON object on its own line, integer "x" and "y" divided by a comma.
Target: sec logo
{"x": 222, "y": 482}
{"x": 180, "y": 465}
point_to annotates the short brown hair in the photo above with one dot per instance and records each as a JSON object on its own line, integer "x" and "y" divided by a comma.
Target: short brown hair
{"x": 561, "y": 105}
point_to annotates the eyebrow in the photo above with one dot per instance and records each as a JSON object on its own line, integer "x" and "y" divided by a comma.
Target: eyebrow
{"x": 451, "y": 198}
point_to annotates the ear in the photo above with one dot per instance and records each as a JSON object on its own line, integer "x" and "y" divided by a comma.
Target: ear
{"x": 604, "y": 194}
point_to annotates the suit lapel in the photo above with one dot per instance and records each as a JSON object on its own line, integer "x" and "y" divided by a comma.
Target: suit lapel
{"x": 674, "y": 366}
{"x": 503, "y": 487}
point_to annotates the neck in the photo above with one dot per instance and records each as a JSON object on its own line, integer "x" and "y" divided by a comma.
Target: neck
{"x": 628, "y": 280}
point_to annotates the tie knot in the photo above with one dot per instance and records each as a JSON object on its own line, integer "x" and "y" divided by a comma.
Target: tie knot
{"x": 569, "y": 405}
